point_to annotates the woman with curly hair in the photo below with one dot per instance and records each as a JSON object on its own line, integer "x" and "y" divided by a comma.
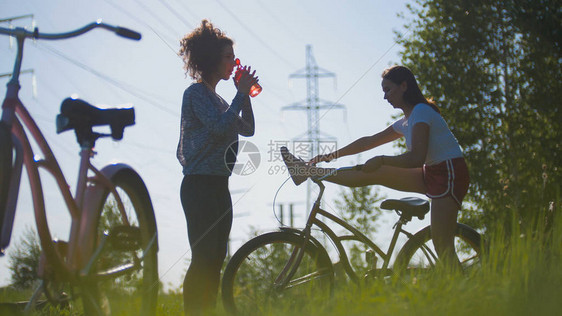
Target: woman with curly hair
{"x": 207, "y": 152}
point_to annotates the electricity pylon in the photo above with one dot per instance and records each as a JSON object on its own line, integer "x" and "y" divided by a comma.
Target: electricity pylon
{"x": 312, "y": 105}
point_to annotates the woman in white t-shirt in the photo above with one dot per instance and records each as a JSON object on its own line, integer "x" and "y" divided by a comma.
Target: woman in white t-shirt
{"x": 432, "y": 165}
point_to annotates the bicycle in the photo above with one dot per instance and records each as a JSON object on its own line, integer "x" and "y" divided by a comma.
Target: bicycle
{"x": 110, "y": 258}
{"x": 283, "y": 267}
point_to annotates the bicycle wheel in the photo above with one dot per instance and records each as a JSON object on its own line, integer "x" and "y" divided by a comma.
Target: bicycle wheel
{"x": 418, "y": 252}
{"x": 248, "y": 285}
{"x": 124, "y": 277}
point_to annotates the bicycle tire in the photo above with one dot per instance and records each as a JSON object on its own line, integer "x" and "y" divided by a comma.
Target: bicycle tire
{"x": 5, "y": 168}
{"x": 412, "y": 257}
{"x": 247, "y": 284}
{"x": 135, "y": 293}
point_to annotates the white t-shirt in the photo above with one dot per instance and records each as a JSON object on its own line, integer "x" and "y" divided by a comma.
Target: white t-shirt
{"x": 442, "y": 143}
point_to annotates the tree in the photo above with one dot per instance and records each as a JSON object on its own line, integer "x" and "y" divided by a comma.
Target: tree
{"x": 24, "y": 260}
{"x": 359, "y": 207}
{"x": 495, "y": 70}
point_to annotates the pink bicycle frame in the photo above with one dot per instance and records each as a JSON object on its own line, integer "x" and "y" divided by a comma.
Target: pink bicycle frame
{"x": 83, "y": 207}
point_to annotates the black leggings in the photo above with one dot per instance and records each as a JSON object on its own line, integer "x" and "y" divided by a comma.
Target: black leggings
{"x": 208, "y": 210}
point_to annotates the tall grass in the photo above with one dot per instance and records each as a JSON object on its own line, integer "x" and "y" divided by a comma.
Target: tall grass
{"x": 520, "y": 274}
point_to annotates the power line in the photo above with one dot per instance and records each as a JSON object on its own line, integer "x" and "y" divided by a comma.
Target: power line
{"x": 186, "y": 9}
{"x": 256, "y": 37}
{"x": 151, "y": 12}
{"x": 176, "y": 14}
{"x": 17, "y": 18}
{"x": 153, "y": 148}
{"x": 285, "y": 27}
{"x": 121, "y": 85}
{"x": 360, "y": 78}
{"x": 166, "y": 42}
{"x": 126, "y": 12}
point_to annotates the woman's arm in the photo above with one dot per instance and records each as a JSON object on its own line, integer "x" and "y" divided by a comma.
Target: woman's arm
{"x": 216, "y": 122}
{"x": 360, "y": 145}
{"x": 246, "y": 124}
{"x": 414, "y": 158}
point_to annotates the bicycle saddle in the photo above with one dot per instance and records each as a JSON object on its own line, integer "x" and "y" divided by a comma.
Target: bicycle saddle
{"x": 410, "y": 206}
{"x": 81, "y": 116}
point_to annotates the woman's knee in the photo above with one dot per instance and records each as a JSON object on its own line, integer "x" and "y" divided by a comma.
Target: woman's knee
{"x": 444, "y": 213}
{"x": 209, "y": 257}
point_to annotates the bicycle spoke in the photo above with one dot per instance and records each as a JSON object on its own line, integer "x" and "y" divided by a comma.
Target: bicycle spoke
{"x": 419, "y": 254}
{"x": 124, "y": 276}
{"x": 255, "y": 281}
{"x": 322, "y": 273}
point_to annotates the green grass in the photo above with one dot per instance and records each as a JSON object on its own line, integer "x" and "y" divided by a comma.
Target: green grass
{"x": 519, "y": 275}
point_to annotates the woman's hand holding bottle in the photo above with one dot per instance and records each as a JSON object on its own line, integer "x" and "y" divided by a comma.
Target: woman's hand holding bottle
{"x": 246, "y": 81}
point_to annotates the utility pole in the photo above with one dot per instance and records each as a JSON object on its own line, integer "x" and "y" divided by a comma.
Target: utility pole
{"x": 9, "y": 21}
{"x": 33, "y": 79}
{"x": 312, "y": 105}
{"x": 291, "y": 214}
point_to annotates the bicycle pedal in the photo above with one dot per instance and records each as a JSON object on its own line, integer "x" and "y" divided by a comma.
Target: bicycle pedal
{"x": 125, "y": 238}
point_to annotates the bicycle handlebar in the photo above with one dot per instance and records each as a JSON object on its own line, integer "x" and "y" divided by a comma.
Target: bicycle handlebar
{"x": 21, "y": 32}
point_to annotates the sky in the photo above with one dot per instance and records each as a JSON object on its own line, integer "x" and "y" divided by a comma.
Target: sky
{"x": 354, "y": 40}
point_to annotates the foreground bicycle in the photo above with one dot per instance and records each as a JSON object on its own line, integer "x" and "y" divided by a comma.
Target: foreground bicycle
{"x": 109, "y": 263}
{"x": 285, "y": 267}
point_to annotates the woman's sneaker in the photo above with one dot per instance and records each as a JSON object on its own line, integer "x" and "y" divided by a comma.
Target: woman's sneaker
{"x": 298, "y": 169}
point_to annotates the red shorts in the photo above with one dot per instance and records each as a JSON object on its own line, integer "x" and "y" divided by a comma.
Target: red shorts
{"x": 447, "y": 178}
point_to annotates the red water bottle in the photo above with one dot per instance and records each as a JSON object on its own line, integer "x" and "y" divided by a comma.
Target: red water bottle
{"x": 255, "y": 89}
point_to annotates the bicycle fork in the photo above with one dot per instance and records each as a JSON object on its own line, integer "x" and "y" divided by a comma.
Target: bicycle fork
{"x": 297, "y": 254}
{"x": 12, "y": 196}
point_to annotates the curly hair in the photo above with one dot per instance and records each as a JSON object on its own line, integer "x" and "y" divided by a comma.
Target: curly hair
{"x": 201, "y": 49}
{"x": 413, "y": 95}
